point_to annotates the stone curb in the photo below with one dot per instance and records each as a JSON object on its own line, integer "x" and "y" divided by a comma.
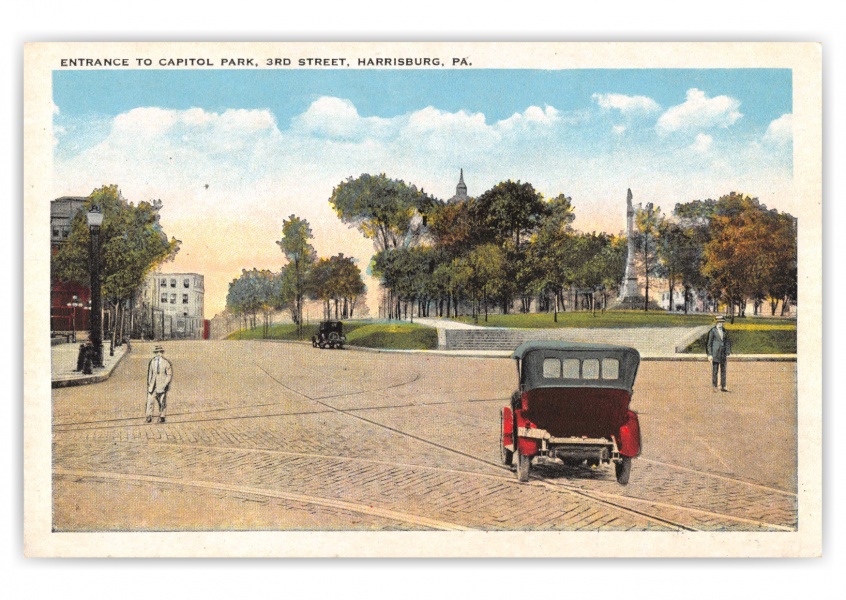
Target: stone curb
{"x": 87, "y": 379}
{"x": 507, "y": 354}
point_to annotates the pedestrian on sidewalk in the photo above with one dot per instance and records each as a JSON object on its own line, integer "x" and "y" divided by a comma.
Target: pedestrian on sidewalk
{"x": 159, "y": 376}
{"x": 718, "y": 348}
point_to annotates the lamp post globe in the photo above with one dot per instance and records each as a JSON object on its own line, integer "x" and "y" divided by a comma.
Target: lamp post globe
{"x": 95, "y": 221}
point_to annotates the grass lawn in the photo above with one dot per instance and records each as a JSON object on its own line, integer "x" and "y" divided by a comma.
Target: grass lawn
{"x": 614, "y": 318}
{"x": 750, "y": 340}
{"x": 398, "y": 336}
{"x": 367, "y": 334}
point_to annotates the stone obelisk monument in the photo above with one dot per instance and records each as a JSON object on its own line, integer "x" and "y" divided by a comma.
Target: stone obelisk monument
{"x": 629, "y": 295}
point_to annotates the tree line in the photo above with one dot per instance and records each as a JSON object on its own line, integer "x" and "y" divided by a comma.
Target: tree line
{"x": 132, "y": 243}
{"x": 335, "y": 281}
{"x": 510, "y": 248}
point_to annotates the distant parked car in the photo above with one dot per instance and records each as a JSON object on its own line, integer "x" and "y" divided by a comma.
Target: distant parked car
{"x": 329, "y": 335}
{"x": 572, "y": 404}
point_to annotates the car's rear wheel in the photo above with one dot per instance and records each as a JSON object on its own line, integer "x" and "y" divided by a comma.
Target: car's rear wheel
{"x": 624, "y": 470}
{"x": 524, "y": 463}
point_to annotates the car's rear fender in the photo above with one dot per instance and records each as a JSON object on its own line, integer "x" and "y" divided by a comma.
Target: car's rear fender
{"x": 526, "y": 446}
{"x": 629, "y": 435}
{"x": 507, "y": 427}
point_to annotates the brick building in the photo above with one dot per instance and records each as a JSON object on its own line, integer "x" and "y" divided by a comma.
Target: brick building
{"x": 62, "y": 212}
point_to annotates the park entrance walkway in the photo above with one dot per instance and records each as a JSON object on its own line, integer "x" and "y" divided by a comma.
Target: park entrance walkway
{"x": 649, "y": 341}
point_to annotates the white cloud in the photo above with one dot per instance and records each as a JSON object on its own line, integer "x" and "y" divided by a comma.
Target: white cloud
{"x": 338, "y": 118}
{"x": 703, "y": 143}
{"x": 780, "y": 131}
{"x": 534, "y": 115}
{"x": 626, "y": 104}
{"x": 258, "y": 174}
{"x": 700, "y": 112}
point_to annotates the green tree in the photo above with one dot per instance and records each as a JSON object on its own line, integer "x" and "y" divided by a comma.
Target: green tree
{"x": 601, "y": 265}
{"x": 453, "y": 227}
{"x": 388, "y": 211}
{"x": 550, "y": 257}
{"x": 255, "y": 291}
{"x": 510, "y": 212}
{"x": 736, "y": 256}
{"x": 694, "y": 219}
{"x": 296, "y": 246}
{"x": 649, "y": 221}
{"x": 672, "y": 251}
{"x": 450, "y": 277}
{"x": 406, "y": 273}
{"x": 132, "y": 243}
{"x": 337, "y": 279}
{"x": 485, "y": 266}
{"x": 783, "y": 283}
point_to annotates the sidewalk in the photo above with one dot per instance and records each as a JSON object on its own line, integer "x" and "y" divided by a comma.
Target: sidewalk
{"x": 649, "y": 341}
{"x": 644, "y": 357}
{"x": 63, "y": 362}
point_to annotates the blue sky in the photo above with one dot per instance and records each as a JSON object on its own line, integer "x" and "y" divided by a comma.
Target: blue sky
{"x": 240, "y": 150}
{"x": 765, "y": 93}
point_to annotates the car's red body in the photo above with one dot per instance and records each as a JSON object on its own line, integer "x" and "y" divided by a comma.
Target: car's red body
{"x": 573, "y": 405}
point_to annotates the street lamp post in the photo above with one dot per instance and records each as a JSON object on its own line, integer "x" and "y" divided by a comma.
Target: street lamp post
{"x": 75, "y": 303}
{"x": 95, "y": 220}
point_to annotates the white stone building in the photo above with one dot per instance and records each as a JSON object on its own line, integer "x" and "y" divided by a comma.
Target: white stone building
{"x": 176, "y": 304}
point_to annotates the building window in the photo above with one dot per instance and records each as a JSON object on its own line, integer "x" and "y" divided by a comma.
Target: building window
{"x": 164, "y": 297}
{"x": 164, "y": 282}
{"x": 184, "y": 298}
{"x": 186, "y": 282}
{"x": 55, "y": 232}
{"x": 172, "y": 283}
{"x": 173, "y": 298}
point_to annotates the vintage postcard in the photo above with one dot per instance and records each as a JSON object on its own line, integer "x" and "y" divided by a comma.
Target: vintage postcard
{"x": 423, "y": 299}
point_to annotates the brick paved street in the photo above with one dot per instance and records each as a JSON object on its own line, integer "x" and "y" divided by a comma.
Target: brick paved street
{"x": 279, "y": 436}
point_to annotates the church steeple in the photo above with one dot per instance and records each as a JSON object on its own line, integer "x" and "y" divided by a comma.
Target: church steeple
{"x": 461, "y": 188}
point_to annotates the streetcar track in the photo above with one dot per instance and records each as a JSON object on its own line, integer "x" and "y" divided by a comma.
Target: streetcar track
{"x": 509, "y": 479}
{"x": 302, "y": 498}
{"x": 333, "y": 457}
{"x": 124, "y": 422}
{"x": 212, "y": 410}
{"x": 504, "y": 478}
{"x": 625, "y": 509}
{"x": 724, "y": 477}
{"x": 604, "y": 498}
{"x": 698, "y": 510}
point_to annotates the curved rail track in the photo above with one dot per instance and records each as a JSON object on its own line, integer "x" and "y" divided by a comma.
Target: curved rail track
{"x": 618, "y": 502}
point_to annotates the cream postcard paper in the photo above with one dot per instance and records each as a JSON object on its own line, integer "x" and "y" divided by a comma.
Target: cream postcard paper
{"x": 289, "y": 285}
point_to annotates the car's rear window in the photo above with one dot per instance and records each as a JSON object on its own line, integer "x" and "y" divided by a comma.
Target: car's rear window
{"x": 587, "y": 368}
{"x": 571, "y": 368}
{"x": 610, "y": 368}
{"x": 551, "y": 368}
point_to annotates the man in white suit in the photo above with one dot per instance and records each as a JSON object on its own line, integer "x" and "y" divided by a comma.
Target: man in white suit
{"x": 159, "y": 376}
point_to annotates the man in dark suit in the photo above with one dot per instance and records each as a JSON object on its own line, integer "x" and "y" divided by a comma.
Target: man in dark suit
{"x": 718, "y": 349}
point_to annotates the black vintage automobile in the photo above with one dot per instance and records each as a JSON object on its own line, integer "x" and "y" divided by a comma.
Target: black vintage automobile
{"x": 329, "y": 335}
{"x": 572, "y": 404}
